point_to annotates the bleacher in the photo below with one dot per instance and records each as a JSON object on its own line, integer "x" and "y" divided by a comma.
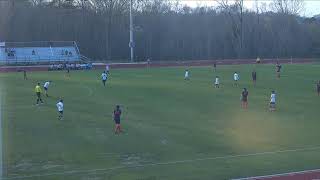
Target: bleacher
{"x": 38, "y": 52}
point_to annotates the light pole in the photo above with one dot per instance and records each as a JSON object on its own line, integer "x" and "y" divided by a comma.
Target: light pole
{"x": 131, "y": 43}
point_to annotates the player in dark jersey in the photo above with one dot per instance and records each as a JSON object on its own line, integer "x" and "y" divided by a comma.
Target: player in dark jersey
{"x": 254, "y": 77}
{"x": 215, "y": 66}
{"x": 244, "y": 98}
{"x": 278, "y": 67}
{"x": 318, "y": 88}
{"x": 116, "y": 118}
{"x": 25, "y": 75}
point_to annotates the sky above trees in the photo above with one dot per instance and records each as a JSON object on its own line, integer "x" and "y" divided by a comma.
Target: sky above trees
{"x": 311, "y": 7}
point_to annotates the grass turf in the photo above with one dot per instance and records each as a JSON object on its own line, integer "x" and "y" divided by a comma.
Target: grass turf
{"x": 165, "y": 119}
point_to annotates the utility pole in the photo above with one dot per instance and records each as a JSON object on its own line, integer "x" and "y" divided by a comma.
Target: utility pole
{"x": 131, "y": 43}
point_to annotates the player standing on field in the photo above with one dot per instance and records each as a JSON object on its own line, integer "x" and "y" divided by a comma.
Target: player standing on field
{"x": 107, "y": 69}
{"x": 217, "y": 82}
{"x": 254, "y": 77}
{"x": 278, "y": 69}
{"x": 116, "y": 117}
{"x": 244, "y": 98}
{"x": 46, "y": 87}
{"x": 215, "y": 66}
{"x": 318, "y": 88}
{"x": 186, "y": 75}
{"x": 236, "y": 78}
{"x": 60, "y": 109}
{"x": 38, "y": 92}
{"x": 272, "y": 101}
{"x": 104, "y": 77}
{"x": 25, "y": 75}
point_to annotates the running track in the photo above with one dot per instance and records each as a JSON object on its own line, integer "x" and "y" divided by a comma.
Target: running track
{"x": 165, "y": 64}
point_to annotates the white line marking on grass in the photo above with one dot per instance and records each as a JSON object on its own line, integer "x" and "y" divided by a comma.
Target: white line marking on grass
{"x": 279, "y": 175}
{"x": 105, "y": 170}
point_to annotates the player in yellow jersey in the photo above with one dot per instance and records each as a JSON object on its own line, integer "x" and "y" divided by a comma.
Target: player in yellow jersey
{"x": 38, "y": 91}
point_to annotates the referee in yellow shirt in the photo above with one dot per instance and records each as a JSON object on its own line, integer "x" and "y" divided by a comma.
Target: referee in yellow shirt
{"x": 38, "y": 91}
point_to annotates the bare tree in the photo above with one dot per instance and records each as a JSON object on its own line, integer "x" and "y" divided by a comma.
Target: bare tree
{"x": 235, "y": 12}
{"x": 288, "y": 6}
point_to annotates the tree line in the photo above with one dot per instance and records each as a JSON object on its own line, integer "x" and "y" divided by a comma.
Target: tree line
{"x": 165, "y": 30}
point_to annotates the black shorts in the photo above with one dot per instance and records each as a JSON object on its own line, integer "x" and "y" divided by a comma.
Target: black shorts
{"x": 104, "y": 81}
{"x": 318, "y": 89}
{"x": 117, "y": 121}
{"x": 45, "y": 88}
{"x": 244, "y": 100}
{"x": 61, "y": 112}
{"x": 254, "y": 78}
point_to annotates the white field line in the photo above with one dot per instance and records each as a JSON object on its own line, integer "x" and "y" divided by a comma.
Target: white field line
{"x": 279, "y": 175}
{"x": 105, "y": 170}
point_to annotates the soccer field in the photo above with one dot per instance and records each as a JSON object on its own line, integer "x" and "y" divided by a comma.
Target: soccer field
{"x": 173, "y": 129}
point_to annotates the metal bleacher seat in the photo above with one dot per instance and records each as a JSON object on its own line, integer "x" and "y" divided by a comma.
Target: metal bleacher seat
{"x": 39, "y": 52}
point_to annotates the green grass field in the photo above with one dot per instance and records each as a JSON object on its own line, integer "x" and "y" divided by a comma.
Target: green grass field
{"x": 173, "y": 129}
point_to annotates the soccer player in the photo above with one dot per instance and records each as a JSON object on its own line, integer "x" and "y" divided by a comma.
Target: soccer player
{"x": 254, "y": 77}
{"x": 25, "y": 75}
{"x": 186, "y": 75}
{"x": 215, "y": 66}
{"x": 38, "y": 91}
{"x": 217, "y": 82}
{"x": 272, "y": 101}
{"x": 244, "y": 98}
{"x": 116, "y": 118}
{"x": 258, "y": 60}
{"x": 278, "y": 69}
{"x": 107, "y": 69}
{"x": 318, "y": 88}
{"x": 104, "y": 77}
{"x": 236, "y": 78}
{"x": 60, "y": 109}
{"x": 46, "y": 87}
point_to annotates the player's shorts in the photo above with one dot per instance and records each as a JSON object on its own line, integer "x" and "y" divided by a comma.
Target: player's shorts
{"x": 254, "y": 78}
{"x": 104, "y": 80}
{"x": 38, "y": 94}
{"x": 45, "y": 88}
{"x": 61, "y": 112}
{"x": 117, "y": 121}
{"x": 272, "y": 104}
{"x": 318, "y": 89}
{"x": 244, "y": 100}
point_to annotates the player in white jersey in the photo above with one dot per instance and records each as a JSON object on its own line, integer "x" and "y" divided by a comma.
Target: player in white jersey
{"x": 186, "y": 75}
{"x": 46, "y": 87}
{"x": 60, "y": 109}
{"x": 107, "y": 69}
{"x": 104, "y": 78}
{"x": 236, "y": 78}
{"x": 217, "y": 82}
{"x": 272, "y": 101}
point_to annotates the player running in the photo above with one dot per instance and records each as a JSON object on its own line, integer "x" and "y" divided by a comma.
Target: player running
{"x": 254, "y": 77}
{"x": 38, "y": 91}
{"x": 217, "y": 82}
{"x": 104, "y": 77}
{"x": 116, "y": 118}
{"x": 236, "y": 78}
{"x": 272, "y": 101}
{"x": 318, "y": 88}
{"x": 244, "y": 98}
{"x": 186, "y": 75}
{"x": 60, "y": 109}
{"x": 46, "y": 87}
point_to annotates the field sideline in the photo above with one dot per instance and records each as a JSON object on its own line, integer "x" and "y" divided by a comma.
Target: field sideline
{"x": 173, "y": 129}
